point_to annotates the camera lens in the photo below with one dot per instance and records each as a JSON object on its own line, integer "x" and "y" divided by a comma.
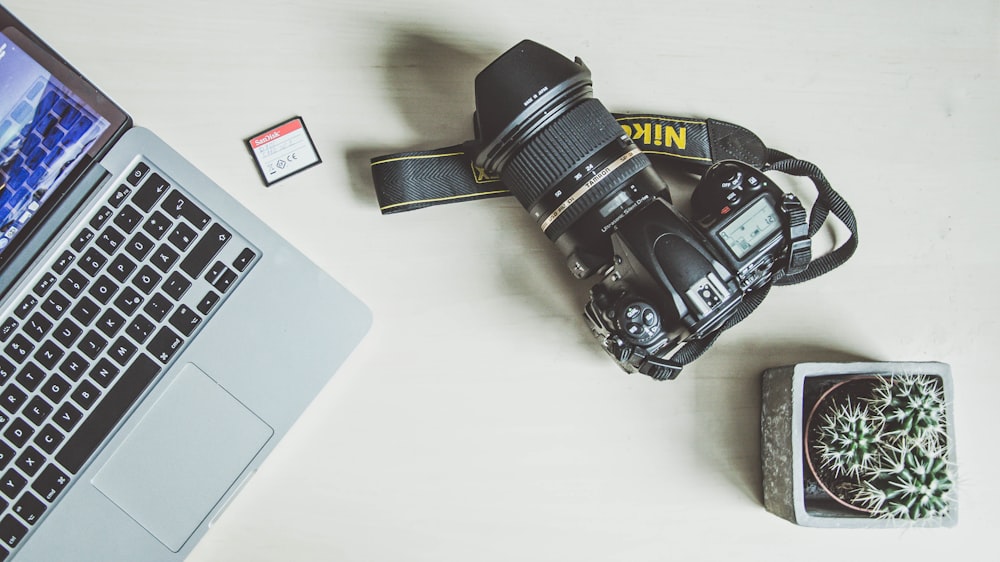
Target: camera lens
{"x": 559, "y": 150}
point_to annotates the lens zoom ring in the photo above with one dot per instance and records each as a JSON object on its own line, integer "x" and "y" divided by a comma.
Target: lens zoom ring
{"x": 558, "y": 149}
{"x": 612, "y": 182}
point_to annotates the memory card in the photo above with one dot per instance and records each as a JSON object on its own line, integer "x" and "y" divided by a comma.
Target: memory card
{"x": 283, "y": 150}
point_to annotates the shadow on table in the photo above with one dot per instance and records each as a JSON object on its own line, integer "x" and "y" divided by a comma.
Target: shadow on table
{"x": 432, "y": 83}
{"x": 728, "y": 396}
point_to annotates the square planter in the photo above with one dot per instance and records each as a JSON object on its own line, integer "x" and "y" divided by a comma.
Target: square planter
{"x": 868, "y": 444}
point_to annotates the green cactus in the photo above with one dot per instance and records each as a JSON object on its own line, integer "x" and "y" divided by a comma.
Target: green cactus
{"x": 849, "y": 439}
{"x": 913, "y": 408}
{"x": 892, "y": 447}
{"x": 911, "y": 483}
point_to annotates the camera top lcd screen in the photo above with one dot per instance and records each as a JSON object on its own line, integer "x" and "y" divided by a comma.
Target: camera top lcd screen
{"x": 752, "y": 227}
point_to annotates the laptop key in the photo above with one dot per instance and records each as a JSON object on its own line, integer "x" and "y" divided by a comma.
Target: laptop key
{"x": 158, "y": 307}
{"x": 37, "y": 326}
{"x": 92, "y": 262}
{"x": 140, "y": 329}
{"x": 11, "y": 531}
{"x": 225, "y": 281}
{"x": 64, "y": 261}
{"x": 147, "y": 279}
{"x": 205, "y": 250}
{"x": 138, "y": 173}
{"x": 74, "y": 283}
{"x": 49, "y": 354}
{"x": 128, "y": 218}
{"x": 92, "y": 344}
{"x": 50, "y": 482}
{"x": 86, "y": 394}
{"x": 44, "y": 284}
{"x": 102, "y": 216}
{"x": 139, "y": 246}
{"x": 105, "y": 416}
{"x": 7, "y": 328}
{"x": 6, "y": 369}
{"x": 12, "y": 483}
{"x": 103, "y": 289}
{"x": 19, "y": 432}
{"x": 176, "y": 285}
{"x": 30, "y": 376}
{"x": 29, "y": 508}
{"x": 55, "y": 306}
{"x": 207, "y": 302}
{"x": 30, "y": 461}
{"x": 110, "y": 240}
{"x": 165, "y": 344}
{"x": 19, "y": 348}
{"x": 179, "y": 206}
{"x": 38, "y": 410}
{"x": 104, "y": 373}
{"x": 49, "y": 438}
{"x": 67, "y": 417}
{"x": 27, "y": 304}
{"x": 182, "y": 236}
{"x": 85, "y": 311}
{"x": 128, "y": 301}
{"x": 150, "y": 192}
{"x": 74, "y": 366}
{"x": 55, "y": 388}
{"x": 157, "y": 225}
{"x": 122, "y": 351}
{"x": 243, "y": 260}
{"x": 185, "y": 320}
{"x": 120, "y": 195}
{"x": 12, "y": 398}
{"x": 121, "y": 267}
{"x": 82, "y": 239}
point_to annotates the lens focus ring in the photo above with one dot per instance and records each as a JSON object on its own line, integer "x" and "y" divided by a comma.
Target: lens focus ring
{"x": 558, "y": 149}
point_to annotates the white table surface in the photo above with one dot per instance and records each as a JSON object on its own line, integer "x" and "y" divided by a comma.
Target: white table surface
{"x": 479, "y": 421}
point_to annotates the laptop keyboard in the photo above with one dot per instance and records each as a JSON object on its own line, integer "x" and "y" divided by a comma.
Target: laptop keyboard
{"x": 136, "y": 281}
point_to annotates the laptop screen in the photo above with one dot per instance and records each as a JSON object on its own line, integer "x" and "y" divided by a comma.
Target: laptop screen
{"x": 45, "y": 131}
{"x": 53, "y": 126}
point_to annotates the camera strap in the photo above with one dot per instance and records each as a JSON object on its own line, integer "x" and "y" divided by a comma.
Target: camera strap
{"x": 408, "y": 181}
{"x": 412, "y": 180}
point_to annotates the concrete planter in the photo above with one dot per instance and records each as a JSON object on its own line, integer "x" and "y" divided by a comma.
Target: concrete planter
{"x": 879, "y": 481}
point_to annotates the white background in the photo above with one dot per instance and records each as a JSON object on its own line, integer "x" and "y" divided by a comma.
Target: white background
{"x": 479, "y": 420}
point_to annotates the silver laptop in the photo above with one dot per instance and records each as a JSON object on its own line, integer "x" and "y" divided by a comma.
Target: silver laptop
{"x": 156, "y": 339}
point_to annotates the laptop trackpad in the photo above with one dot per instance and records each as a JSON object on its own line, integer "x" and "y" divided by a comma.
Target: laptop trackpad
{"x": 182, "y": 457}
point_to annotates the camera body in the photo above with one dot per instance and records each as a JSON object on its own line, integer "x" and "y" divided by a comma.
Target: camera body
{"x": 672, "y": 280}
{"x": 667, "y": 280}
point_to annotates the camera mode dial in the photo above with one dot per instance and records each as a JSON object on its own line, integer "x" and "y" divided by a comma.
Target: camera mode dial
{"x": 637, "y": 321}
{"x": 724, "y": 187}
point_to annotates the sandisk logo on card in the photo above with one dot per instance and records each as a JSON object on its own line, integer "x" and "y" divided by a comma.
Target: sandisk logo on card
{"x": 268, "y": 137}
{"x": 277, "y": 133}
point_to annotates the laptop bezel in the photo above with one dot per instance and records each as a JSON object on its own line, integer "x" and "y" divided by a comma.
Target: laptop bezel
{"x": 58, "y": 208}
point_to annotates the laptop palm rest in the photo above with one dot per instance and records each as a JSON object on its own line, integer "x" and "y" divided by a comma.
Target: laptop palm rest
{"x": 184, "y": 455}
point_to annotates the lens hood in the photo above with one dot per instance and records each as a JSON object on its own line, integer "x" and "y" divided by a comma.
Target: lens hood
{"x": 521, "y": 92}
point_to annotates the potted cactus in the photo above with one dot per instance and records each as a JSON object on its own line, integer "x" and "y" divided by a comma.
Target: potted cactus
{"x": 859, "y": 444}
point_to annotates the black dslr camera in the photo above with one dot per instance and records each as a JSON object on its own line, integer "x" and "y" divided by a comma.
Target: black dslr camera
{"x": 666, "y": 280}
